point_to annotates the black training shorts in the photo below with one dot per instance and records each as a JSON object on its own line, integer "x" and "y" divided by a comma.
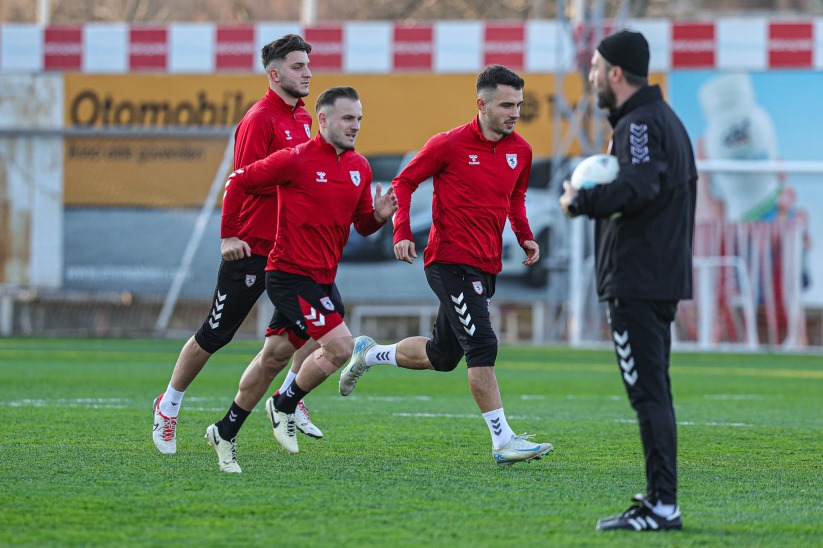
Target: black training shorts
{"x": 239, "y": 284}
{"x": 304, "y": 308}
{"x": 463, "y": 325}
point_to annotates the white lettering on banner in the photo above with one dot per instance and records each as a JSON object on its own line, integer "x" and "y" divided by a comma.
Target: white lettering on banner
{"x": 67, "y": 48}
{"x": 413, "y": 48}
{"x": 504, "y": 47}
{"x": 693, "y": 45}
{"x": 146, "y": 48}
{"x": 791, "y": 45}
{"x": 326, "y": 48}
{"x": 235, "y": 48}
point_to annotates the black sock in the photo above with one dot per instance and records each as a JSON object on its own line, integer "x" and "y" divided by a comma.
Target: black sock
{"x": 230, "y": 425}
{"x": 288, "y": 399}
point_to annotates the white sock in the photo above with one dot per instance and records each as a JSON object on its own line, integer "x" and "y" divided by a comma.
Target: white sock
{"x": 290, "y": 376}
{"x": 498, "y": 426}
{"x": 664, "y": 510}
{"x": 170, "y": 404}
{"x": 382, "y": 354}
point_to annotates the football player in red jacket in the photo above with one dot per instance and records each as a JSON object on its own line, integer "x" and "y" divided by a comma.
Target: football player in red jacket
{"x": 276, "y": 121}
{"x": 481, "y": 171}
{"x": 324, "y": 186}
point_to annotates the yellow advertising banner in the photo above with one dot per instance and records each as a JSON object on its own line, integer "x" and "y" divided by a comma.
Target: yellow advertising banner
{"x": 400, "y": 113}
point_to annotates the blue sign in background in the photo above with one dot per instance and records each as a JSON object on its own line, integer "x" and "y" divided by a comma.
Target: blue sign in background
{"x": 793, "y": 101}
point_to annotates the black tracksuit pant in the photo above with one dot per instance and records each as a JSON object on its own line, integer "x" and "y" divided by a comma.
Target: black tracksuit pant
{"x": 641, "y": 332}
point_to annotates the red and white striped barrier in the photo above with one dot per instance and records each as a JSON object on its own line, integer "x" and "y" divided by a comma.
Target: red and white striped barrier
{"x": 385, "y": 47}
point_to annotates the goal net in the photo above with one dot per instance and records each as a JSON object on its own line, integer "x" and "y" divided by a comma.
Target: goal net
{"x": 753, "y": 277}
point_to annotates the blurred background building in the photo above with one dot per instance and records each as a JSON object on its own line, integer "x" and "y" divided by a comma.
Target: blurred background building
{"x": 116, "y": 134}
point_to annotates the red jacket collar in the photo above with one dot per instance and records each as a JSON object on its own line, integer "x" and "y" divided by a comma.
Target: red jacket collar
{"x": 281, "y": 104}
{"x": 474, "y": 126}
{"x": 325, "y": 145}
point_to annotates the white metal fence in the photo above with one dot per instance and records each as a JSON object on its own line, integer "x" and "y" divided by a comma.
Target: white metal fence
{"x": 754, "y": 280}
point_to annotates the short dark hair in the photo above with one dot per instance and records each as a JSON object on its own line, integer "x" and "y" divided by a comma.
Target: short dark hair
{"x": 498, "y": 75}
{"x": 331, "y": 95}
{"x": 280, "y": 48}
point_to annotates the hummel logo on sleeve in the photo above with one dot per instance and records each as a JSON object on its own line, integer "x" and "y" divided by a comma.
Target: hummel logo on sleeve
{"x": 639, "y": 141}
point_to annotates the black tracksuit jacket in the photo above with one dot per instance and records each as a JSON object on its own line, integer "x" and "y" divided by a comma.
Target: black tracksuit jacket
{"x": 645, "y": 218}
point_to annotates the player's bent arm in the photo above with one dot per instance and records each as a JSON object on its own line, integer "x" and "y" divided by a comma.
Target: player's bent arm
{"x": 253, "y": 137}
{"x": 260, "y": 177}
{"x": 404, "y": 251}
{"x": 365, "y": 218}
{"x": 425, "y": 164}
{"x": 532, "y": 250}
{"x": 233, "y": 248}
{"x": 385, "y": 205}
{"x": 517, "y": 209}
{"x": 232, "y": 204}
{"x": 264, "y": 176}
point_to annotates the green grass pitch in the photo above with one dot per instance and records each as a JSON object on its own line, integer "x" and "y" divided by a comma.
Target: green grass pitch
{"x": 406, "y": 460}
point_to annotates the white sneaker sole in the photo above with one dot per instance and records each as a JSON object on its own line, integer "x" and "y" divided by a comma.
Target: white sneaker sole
{"x": 507, "y": 463}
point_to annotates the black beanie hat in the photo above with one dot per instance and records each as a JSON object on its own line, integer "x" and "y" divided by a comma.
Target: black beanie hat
{"x": 627, "y": 50}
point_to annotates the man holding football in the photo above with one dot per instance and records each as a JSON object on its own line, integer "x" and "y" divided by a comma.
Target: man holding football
{"x": 644, "y": 226}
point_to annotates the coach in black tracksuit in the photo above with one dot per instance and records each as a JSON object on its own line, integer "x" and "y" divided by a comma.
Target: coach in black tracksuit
{"x": 643, "y": 241}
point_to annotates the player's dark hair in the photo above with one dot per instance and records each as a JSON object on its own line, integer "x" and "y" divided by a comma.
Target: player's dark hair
{"x": 498, "y": 75}
{"x": 331, "y": 95}
{"x": 277, "y": 50}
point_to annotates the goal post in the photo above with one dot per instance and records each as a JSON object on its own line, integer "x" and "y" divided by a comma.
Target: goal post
{"x": 202, "y": 221}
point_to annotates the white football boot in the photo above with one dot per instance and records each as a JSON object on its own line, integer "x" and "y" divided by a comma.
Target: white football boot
{"x": 285, "y": 431}
{"x": 164, "y": 433}
{"x": 356, "y": 366}
{"x": 304, "y": 423}
{"x": 520, "y": 449}
{"x": 226, "y": 451}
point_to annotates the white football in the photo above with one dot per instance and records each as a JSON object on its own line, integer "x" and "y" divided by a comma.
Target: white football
{"x": 599, "y": 169}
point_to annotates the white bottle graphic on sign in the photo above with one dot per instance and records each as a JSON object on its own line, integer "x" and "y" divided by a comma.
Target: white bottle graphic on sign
{"x": 739, "y": 129}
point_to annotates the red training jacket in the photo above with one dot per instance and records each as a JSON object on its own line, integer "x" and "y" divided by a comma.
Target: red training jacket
{"x": 321, "y": 195}
{"x": 477, "y": 184}
{"x": 270, "y": 125}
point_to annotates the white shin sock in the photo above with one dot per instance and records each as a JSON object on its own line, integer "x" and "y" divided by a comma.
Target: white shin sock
{"x": 382, "y": 354}
{"x": 170, "y": 404}
{"x": 498, "y": 427}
